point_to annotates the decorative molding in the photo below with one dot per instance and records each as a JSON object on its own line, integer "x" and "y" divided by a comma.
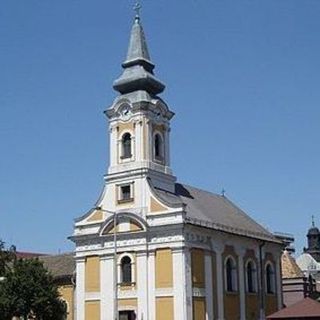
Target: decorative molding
{"x": 163, "y": 292}
{"x": 198, "y": 292}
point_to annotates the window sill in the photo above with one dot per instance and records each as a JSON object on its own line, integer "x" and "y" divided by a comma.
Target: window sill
{"x": 126, "y": 157}
{"x": 252, "y": 293}
{"x": 232, "y": 293}
{"x": 125, "y": 201}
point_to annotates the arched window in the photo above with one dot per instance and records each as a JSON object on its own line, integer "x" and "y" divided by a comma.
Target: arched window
{"x": 231, "y": 275}
{"x": 158, "y": 147}
{"x": 270, "y": 285}
{"x": 126, "y": 146}
{"x": 251, "y": 277}
{"x": 126, "y": 270}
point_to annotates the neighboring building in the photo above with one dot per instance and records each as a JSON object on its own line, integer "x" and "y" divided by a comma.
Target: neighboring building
{"x": 313, "y": 237}
{"x": 295, "y": 285}
{"x": 306, "y": 309}
{"x": 181, "y": 253}
{"x": 309, "y": 260}
{"x": 62, "y": 267}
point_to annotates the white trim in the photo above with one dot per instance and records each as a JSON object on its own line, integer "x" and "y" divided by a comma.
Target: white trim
{"x": 179, "y": 284}
{"x": 234, "y": 274}
{"x": 80, "y": 266}
{"x": 151, "y": 286}
{"x": 208, "y": 285}
{"x": 242, "y": 290}
{"x": 220, "y": 288}
{"x": 133, "y": 266}
{"x": 272, "y": 280}
{"x": 142, "y": 286}
{"x": 106, "y": 288}
{"x": 254, "y": 276}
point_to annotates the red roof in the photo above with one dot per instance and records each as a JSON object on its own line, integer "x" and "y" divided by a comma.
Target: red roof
{"x": 306, "y": 308}
{"x": 28, "y": 255}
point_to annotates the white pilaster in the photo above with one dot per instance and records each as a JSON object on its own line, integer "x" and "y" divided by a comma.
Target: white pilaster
{"x": 188, "y": 284}
{"x": 106, "y": 288}
{"x": 142, "y": 285}
{"x": 80, "y": 266}
{"x": 242, "y": 288}
{"x": 151, "y": 286}
{"x": 278, "y": 281}
{"x": 113, "y": 146}
{"x": 179, "y": 283}
{"x": 220, "y": 290}
{"x": 208, "y": 284}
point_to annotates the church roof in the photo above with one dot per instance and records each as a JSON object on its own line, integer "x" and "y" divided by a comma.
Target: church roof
{"x": 289, "y": 267}
{"x": 60, "y": 266}
{"x": 306, "y": 308}
{"x": 214, "y": 211}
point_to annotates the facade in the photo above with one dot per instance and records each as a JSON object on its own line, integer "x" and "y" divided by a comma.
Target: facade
{"x": 154, "y": 249}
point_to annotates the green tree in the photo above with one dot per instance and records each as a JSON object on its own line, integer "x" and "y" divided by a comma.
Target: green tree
{"x": 29, "y": 289}
{"x": 7, "y": 256}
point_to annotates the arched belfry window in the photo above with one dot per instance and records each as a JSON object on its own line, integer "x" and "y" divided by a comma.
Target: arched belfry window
{"x": 126, "y": 146}
{"x": 251, "y": 277}
{"x": 230, "y": 275}
{"x": 270, "y": 279}
{"x": 158, "y": 147}
{"x": 126, "y": 270}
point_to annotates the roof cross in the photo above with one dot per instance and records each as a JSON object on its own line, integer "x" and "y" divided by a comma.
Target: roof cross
{"x": 312, "y": 217}
{"x": 137, "y": 7}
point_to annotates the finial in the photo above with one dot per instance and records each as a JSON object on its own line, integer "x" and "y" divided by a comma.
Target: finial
{"x": 223, "y": 192}
{"x": 312, "y": 217}
{"x": 137, "y": 7}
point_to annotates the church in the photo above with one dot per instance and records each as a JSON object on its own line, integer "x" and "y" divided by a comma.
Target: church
{"x": 152, "y": 248}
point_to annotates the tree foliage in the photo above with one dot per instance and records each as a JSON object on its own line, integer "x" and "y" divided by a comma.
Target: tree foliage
{"x": 28, "y": 290}
{"x": 7, "y": 256}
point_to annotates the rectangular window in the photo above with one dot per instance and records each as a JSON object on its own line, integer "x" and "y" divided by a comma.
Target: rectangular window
{"x": 125, "y": 193}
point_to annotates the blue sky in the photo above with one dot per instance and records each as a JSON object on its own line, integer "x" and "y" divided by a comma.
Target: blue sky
{"x": 242, "y": 76}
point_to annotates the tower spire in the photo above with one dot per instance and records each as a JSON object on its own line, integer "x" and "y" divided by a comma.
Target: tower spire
{"x": 138, "y": 68}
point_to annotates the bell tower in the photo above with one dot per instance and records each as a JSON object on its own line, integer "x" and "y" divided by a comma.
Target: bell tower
{"x": 139, "y": 120}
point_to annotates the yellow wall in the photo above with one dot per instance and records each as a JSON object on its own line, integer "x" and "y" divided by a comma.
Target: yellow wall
{"x": 271, "y": 304}
{"x": 155, "y": 206}
{"x": 127, "y": 303}
{"x": 97, "y": 216}
{"x": 197, "y": 267}
{"x": 92, "y": 310}
{"x": 231, "y": 306}
{"x": 164, "y": 308}
{"x": 252, "y": 306}
{"x": 199, "y": 309}
{"x": 92, "y": 274}
{"x": 66, "y": 293}
{"x": 164, "y": 277}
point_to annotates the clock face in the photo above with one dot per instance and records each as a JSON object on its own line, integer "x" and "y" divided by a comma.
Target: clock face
{"x": 125, "y": 111}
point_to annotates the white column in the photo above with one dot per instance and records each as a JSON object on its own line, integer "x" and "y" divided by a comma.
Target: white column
{"x": 151, "y": 286}
{"x": 167, "y": 147}
{"x": 188, "y": 284}
{"x": 179, "y": 283}
{"x": 113, "y": 145}
{"x": 278, "y": 281}
{"x": 142, "y": 285}
{"x": 208, "y": 284}
{"x": 220, "y": 289}
{"x": 80, "y": 309}
{"x": 106, "y": 288}
{"x": 138, "y": 135}
{"x": 242, "y": 289}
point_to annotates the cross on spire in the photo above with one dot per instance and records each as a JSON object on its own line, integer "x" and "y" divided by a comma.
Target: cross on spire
{"x": 137, "y": 7}
{"x": 312, "y": 217}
